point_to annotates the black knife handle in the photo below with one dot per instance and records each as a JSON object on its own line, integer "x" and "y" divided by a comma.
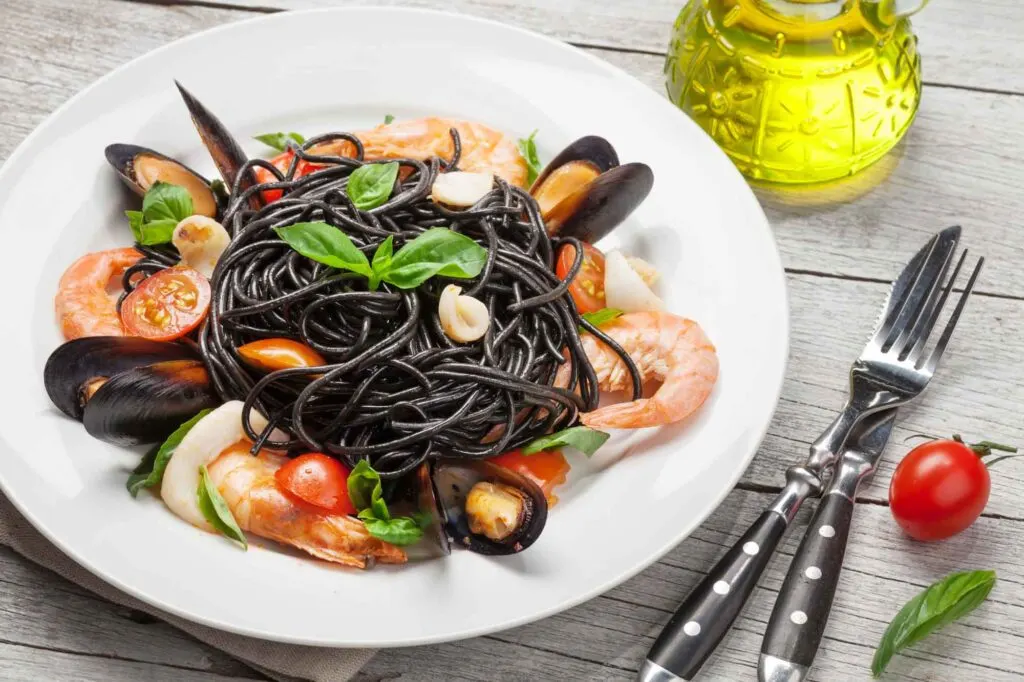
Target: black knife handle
{"x": 801, "y": 612}
{"x": 710, "y": 609}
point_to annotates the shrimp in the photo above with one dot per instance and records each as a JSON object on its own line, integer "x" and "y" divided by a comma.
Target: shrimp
{"x": 665, "y": 347}
{"x": 260, "y": 507}
{"x": 484, "y": 149}
{"x": 83, "y": 304}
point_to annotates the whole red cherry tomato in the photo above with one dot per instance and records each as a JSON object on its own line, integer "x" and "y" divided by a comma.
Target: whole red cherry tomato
{"x": 941, "y": 487}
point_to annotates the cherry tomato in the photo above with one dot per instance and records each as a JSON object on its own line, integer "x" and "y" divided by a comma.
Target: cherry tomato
{"x": 281, "y": 162}
{"x": 547, "y": 469}
{"x": 318, "y": 480}
{"x": 939, "y": 489}
{"x": 166, "y": 305}
{"x": 587, "y": 288}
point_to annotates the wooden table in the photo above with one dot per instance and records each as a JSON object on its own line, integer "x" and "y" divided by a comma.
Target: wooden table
{"x": 963, "y": 162}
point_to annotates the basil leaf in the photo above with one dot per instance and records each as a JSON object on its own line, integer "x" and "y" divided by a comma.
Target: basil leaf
{"x": 602, "y": 316}
{"x": 150, "y": 471}
{"x": 164, "y": 201}
{"x": 279, "y": 141}
{"x": 388, "y": 119}
{"x": 398, "y": 531}
{"x": 381, "y": 261}
{"x": 216, "y": 511}
{"x": 141, "y": 474}
{"x": 939, "y": 605}
{"x": 371, "y": 184}
{"x": 438, "y": 251}
{"x": 528, "y": 148}
{"x": 156, "y": 232}
{"x": 135, "y": 221}
{"x": 583, "y": 438}
{"x": 325, "y": 244}
{"x": 364, "y": 487}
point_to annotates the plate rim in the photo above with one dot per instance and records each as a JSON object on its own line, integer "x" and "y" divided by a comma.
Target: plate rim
{"x": 686, "y": 529}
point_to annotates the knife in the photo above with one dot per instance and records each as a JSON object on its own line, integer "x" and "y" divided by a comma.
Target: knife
{"x": 707, "y": 613}
{"x": 797, "y": 623}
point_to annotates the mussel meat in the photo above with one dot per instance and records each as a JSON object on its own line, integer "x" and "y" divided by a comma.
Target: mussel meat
{"x": 227, "y": 154}
{"x": 585, "y": 193}
{"x": 127, "y": 390}
{"x": 486, "y": 508}
{"x": 141, "y": 168}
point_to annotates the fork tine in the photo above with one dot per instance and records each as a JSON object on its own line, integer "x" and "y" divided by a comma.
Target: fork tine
{"x": 930, "y": 315}
{"x": 927, "y": 278}
{"x": 947, "y": 333}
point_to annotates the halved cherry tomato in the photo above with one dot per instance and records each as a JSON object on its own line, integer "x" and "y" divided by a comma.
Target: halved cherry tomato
{"x": 166, "y": 305}
{"x": 318, "y": 480}
{"x": 271, "y": 355}
{"x": 282, "y": 162}
{"x": 941, "y": 487}
{"x": 587, "y": 288}
{"x": 547, "y": 469}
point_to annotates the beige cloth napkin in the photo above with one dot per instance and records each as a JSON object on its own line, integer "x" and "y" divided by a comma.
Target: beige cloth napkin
{"x": 284, "y": 662}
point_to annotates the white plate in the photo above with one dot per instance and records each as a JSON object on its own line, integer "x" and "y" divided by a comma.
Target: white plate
{"x": 701, "y": 226}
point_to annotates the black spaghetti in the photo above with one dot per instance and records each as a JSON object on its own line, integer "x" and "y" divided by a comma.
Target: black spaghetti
{"x": 397, "y": 389}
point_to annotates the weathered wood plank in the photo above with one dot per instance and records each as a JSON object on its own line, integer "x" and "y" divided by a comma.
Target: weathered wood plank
{"x": 962, "y": 43}
{"x": 955, "y": 164}
{"x": 18, "y": 664}
{"x": 883, "y": 570}
{"x": 40, "y": 610}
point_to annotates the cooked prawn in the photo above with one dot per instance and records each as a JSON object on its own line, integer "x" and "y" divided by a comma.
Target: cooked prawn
{"x": 665, "y": 347}
{"x": 83, "y": 304}
{"x": 484, "y": 149}
{"x": 260, "y": 507}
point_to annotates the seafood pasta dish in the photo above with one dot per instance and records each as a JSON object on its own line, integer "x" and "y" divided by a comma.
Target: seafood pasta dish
{"x": 373, "y": 346}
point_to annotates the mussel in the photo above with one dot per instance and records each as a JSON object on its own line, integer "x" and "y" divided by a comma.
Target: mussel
{"x": 227, "y": 154}
{"x": 585, "y": 193}
{"x": 127, "y": 390}
{"x": 141, "y": 168}
{"x": 478, "y": 505}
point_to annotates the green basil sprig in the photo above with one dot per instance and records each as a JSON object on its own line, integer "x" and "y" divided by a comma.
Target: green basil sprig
{"x": 364, "y": 489}
{"x": 279, "y": 141}
{"x": 325, "y": 244}
{"x": 216, "y": 510}
{"x": 602, "y": 316}
{"x": 438, "y": 251}
{"x": 370, "y": 185}
{"x": 163, "y": 207}
{"x": 388, "y": 119}
{"x": 939, "y": 605}
{"x": 583, "y": 438}
{"x": 528, "y": 148}
{"x": 150, "y": 471}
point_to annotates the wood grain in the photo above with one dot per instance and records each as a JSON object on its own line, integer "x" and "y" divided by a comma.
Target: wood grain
{"x": 961, "y": 163}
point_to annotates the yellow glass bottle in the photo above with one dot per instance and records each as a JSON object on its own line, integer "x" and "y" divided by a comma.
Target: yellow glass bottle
{"x": 797, "y": 91}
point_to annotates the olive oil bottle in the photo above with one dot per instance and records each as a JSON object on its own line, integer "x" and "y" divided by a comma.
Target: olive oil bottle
{"x": 797, "y": 91}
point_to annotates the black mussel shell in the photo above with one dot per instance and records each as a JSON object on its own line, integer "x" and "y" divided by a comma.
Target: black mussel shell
{"x": 601, "y": 206}
{"x": 453, "y": 479}
{"x": 595, "y": 150}
{"x": 75, "y": 363}
{"x": 137, "y": 164}
{"x": 426, "y": 503}
{"x": 223, "y": 147}
{"x": 146, "y": 404}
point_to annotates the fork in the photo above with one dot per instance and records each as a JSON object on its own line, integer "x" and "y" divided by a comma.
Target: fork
{"x": 797, "y": 623}
{"x": 885, "y": 376}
